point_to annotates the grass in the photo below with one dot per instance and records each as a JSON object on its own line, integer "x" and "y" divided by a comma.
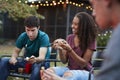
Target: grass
{"x": 6, "y": 49}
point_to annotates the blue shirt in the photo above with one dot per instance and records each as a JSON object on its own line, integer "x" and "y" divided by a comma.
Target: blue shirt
{"x": 32, "y": 47}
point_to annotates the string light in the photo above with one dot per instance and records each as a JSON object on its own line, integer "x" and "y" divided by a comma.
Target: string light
{"x": 50, "y": 4}
{"x": 46, "y": 1}
{"x": 58, "y": 3}
{"x": 39, "y": 1}
{"x": 60, "y": 0}
{"x": 63, "y": 3}
{"x": 47, "y": 4}
{"x": 73, "y": 3}
{"x": 70, "y": 2}
{"x": 37, "y": 5}
{"x": 32, "y": 2}
{"x": 19, "y": 1}
{"x": 26, "y": 2}
{"x": 54, "y": 3}
{"x": 41, "y": 4}
{"x": 81, "y": 4}
{"x": 67, "y": 1}
{"x": 31, "y": 5}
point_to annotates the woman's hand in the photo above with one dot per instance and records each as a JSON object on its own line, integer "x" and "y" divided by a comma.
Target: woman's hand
{"x": 57, "y": 44}
{"x": 61, "y": 44}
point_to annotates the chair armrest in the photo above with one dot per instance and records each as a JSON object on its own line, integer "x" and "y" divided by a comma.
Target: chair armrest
{"x": 5, "y": 56}
{"x": 52, "y": 60}
{"x": 8, "y": 56}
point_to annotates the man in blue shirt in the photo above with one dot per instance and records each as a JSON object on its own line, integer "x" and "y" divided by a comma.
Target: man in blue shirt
{"x": 36, "y": 44}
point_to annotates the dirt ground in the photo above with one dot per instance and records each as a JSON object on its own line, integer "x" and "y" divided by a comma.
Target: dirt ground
{"x": 6, "y": 49}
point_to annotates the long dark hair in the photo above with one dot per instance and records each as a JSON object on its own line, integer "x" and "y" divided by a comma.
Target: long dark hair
{"x": 86, "y": 30}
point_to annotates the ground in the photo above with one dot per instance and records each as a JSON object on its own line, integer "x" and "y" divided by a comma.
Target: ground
{"x": 6, "y": 49}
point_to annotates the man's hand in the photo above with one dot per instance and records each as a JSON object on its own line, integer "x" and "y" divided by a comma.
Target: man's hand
{"x": 13, "y": 60}
{"x": 49, "y": 75}
{"x": 31, "y": 59}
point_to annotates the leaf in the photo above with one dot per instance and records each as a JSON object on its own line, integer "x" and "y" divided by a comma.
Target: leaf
{"x": 18, "y": 10}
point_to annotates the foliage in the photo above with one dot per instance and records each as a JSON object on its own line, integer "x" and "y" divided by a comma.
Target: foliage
{"x": 102, "y": 39}
{"x": 17, "y": 9}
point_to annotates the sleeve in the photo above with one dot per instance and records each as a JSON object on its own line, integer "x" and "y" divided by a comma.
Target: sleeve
{"x": 93, "y": 45}
{"x": 45, "y": 40}
{"x": 20, "y": 41}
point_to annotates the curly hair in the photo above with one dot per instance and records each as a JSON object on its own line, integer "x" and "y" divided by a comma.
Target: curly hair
{"x": 86, "y": 30}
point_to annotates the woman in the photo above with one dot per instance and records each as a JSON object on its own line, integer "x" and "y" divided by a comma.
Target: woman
{"x": 77, "y": 50}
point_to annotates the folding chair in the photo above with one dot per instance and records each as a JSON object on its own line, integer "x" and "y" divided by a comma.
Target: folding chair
{"x": 97, "y": 60}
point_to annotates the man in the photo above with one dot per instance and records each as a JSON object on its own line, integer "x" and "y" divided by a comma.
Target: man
{"x": 107, "y": 14}
{"x": 35, "y": 43}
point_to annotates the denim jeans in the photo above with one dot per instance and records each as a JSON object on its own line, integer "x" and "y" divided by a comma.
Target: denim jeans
{"x": 76, "y": 74}
{"x": 5, "y": 68}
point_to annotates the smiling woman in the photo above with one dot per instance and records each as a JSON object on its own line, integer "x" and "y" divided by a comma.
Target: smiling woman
{"x": 76, "y": 50}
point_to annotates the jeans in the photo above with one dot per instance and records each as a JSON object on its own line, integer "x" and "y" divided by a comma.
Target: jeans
{"x": 76, "y": 74}
{"x": 5, "y": 68}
